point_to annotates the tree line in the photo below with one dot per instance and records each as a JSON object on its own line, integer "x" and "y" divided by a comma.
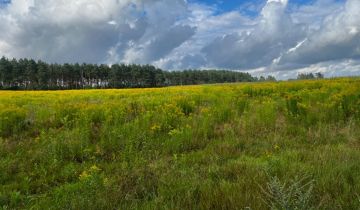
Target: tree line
{"x": 28, "y": 74}
{"x": 305, "y": 76}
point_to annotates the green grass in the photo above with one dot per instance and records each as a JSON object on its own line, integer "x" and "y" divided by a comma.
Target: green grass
{"x": 287, "y": 145}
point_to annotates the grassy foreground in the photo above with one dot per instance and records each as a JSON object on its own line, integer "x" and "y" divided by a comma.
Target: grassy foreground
{"x": 287, "y": 145}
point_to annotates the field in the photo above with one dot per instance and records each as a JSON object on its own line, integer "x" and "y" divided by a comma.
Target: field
{"x": 285, "y": 145}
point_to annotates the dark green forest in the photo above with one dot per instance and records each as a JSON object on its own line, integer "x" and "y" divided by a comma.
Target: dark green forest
{"x": 28, "y": 74}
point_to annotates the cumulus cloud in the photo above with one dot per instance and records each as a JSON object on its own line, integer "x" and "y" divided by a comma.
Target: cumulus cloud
{"x": 159, "y": 46}
{"x": 209, "y": 25}
{"x": 259, "y": 46}
{"x": 92, "y": 30}
{"x": 338, "y": 38}
{"x": 282, "y": 37}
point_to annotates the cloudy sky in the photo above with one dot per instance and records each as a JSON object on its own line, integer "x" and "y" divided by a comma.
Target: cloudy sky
{"x": 278, "y": 37}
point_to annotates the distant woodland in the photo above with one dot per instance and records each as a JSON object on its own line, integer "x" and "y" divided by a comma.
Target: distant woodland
{"x": 28, "y": 74}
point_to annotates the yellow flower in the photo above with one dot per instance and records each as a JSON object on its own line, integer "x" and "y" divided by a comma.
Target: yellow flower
{"x": 268, "y": 154}
{"x": 155, "y": 127}
{"x": 37, "y": 139}
{"x": 94, "y": 168}
{"x": 106, "y": 182}
{"x": 84, "y": 175}
{"x": 174, "y": 132}
{"x": 205, "y": 110}
{"x": 98, "y": 150}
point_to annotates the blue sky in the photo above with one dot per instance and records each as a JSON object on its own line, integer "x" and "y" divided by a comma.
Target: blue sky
{"x": 4, "y": 2}
{"x": 223, "y": 4}
{"x": 277, "y": 37}
{"x": 229, "y": 5}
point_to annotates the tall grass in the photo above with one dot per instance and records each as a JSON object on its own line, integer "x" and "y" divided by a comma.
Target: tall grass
{"x": 236, "y": 146}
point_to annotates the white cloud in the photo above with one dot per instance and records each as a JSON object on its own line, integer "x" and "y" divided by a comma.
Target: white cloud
{"x": 338, "y": 38}
{"x": 258, "y": 46}
{"x": 284, "y": 38}
{"x": 88, "y": 30}
{"x": 338, "y": 68}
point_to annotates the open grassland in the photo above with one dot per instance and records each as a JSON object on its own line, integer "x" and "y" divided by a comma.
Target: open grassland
{"x": 287, "y": 145}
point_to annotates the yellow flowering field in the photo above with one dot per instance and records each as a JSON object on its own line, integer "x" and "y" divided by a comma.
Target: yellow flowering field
{"x": 284, "y": 145}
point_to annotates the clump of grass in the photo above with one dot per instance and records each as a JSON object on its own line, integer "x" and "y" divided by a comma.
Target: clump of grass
{"x": 293, "y": 195}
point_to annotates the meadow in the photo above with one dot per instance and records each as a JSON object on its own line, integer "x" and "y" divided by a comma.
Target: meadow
{"x": 279, "y": 145}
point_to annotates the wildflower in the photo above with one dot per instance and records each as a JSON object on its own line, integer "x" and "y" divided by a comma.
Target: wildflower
{"x": 106, "y": 182}
{"x": 174, "y": 132}
{"x": 268, "y": 154}
{"x": 87, "y": 150}
{"x": 155, "y": 128}
{"x": 276, "y": 147}
{"x": 205, "y": 110}
{"x": 37, "y": 139}
{"x": 84, "y": 175}
{"x": 95, "y": 169}
{"x": 98, "y": 150}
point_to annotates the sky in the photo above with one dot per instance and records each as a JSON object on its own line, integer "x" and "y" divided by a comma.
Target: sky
{"x": 263, "y": 37}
